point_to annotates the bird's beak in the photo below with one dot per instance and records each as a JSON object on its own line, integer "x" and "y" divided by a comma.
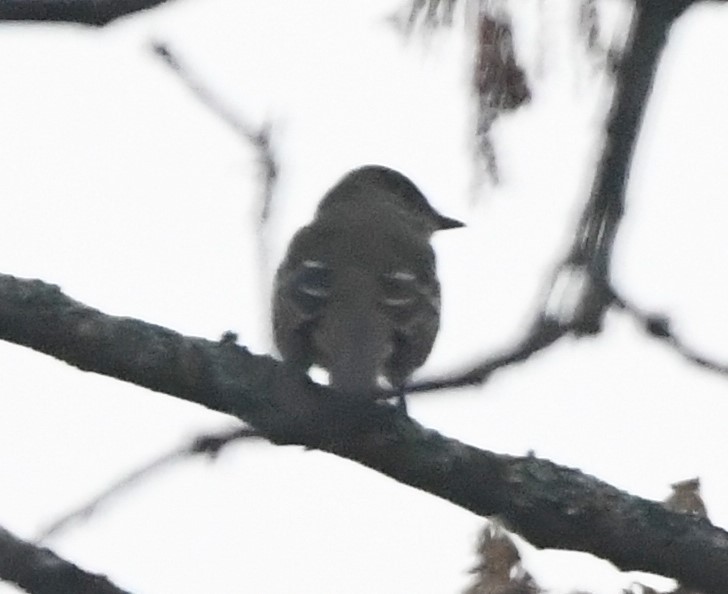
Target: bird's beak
{"x": 448, "y": 223}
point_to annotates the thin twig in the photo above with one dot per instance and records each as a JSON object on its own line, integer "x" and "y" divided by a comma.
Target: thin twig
{"x": 209, "y": 99}
{"x": 544, "y": 333}
{"x": 209, "y": 445}
{"x": 659, "y": 327}
{"x": 260, "y": 137}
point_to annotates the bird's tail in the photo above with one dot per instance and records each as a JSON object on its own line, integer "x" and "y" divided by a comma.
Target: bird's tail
{"x": 356, "y": 336}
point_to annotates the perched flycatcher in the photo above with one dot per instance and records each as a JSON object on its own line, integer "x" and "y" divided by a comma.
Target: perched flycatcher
{"x": 357, "y": 292}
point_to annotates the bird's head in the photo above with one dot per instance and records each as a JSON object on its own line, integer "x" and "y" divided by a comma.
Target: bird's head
{"x": 381, "y": 186}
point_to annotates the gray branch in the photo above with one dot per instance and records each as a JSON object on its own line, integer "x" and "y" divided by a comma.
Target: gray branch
{"x": 549, "y": 505}
{"x": 40, "y": 571}
{"x": 97, "y": 13}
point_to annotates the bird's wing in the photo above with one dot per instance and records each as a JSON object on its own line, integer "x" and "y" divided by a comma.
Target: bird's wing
{"x": 302, "y": 287}
{"x": 411, "y": 300}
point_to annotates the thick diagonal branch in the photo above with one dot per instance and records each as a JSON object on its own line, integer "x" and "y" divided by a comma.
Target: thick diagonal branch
{"x": 549, "y": 505}
{"x": 38, "y": 570}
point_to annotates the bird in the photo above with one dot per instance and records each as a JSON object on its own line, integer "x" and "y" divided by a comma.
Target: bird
{"x": 357, "y": 292}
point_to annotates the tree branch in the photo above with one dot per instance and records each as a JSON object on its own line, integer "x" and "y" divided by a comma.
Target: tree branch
{"x": 542, "y": 334}
{"x": 581, "y": 292}
{"x": 97, "y": 13}
{"x": 208, "y": 445}
{"x": 259, "y": 138}
{"x": 40, "y": 571}
{"x": 549, "y": 505}
{"x": 659, "y": 327}
{"x": 599, "y": 224}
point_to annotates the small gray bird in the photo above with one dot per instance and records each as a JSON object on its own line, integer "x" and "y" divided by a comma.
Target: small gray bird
{"x": 357, "y": 292}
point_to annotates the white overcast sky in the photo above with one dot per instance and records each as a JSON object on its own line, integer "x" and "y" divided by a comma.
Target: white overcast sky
{"x": 120, "y": 187}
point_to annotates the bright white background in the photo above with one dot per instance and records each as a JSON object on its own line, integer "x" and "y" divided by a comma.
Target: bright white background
{"x": 117, "y": 185}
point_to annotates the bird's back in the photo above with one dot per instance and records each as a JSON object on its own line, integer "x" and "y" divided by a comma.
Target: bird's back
{"x": 364, "y": 301}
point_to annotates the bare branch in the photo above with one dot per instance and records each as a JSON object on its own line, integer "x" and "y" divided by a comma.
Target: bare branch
{"x": 659, "y": 327}
{"x": 259, "y": 138}
{"x": 209, "y": 445}
{"x": 600, "y": 221}
{"x": 543, "y": 334}
{"x": 579, "y": 308}
{"x": 549, "y": 505}
{"x": 40, "y": 571}
{"x": 97, "y": 13}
